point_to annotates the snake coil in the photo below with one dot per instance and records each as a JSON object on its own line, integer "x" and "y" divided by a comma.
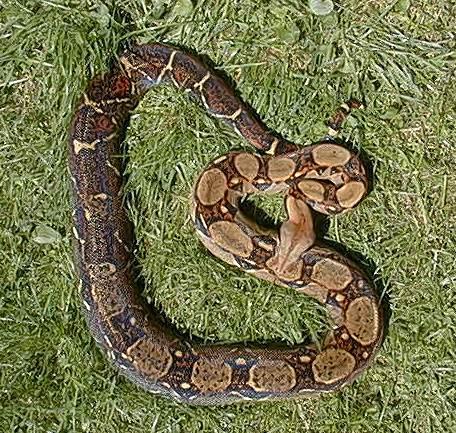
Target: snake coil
{"x": 326, "y": 177}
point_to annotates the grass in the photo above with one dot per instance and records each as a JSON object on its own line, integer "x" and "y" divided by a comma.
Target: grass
{"x": 294, "y": 68}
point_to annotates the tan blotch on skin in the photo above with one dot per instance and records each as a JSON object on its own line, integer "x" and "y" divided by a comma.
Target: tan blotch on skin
{"x": 312, "y": 189}
{"x": 280, "y": 169}
{"x": 211, "y": 187}
{"x": 350, "y": 194}
{"x": 330, "y": 155}
{"x": 361, "y": 320}
{"x": 230, "y": 237}
{"x": 332, "y": 365}
{"x": 272, "y": 376}
{"x": 211, "y": 375}
{"x": 107, "y": 300}
{"x": 216, "y": 250}
{"x": 247, "y": 165}
{"x": 315, "y": 291}
{"x": 152, "y": 359}
{"x": 331, "y": 274}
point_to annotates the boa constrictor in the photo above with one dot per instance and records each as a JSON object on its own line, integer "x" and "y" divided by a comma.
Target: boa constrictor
{"x": 328, "y": 178}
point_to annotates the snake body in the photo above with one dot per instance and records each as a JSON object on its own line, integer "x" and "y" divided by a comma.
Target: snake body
{"x": 327, "y": 177}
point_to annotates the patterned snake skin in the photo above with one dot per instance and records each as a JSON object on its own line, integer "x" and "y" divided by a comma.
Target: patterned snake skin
{"x": 326, "y": 177}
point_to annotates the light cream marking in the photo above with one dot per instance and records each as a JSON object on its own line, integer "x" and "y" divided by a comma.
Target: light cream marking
{"x": 332, "y": 132}
{"x": 344, "y": 336}
{"x": 280, "y": 169}
{"x": 229, "y": 236}
{"x": 235, "y": 181}
{"x": 108, "y": 341}
{"x": 125, "y": 368}
{"x": 365, "y": 355}
{"x": 340, "y": 297}
{"x": 247, "y": 165}
{"x": 185, "y": 385}
{"x": 305, "y": 359}
{"x": 236, "y": 114}
{"x": 266, "y": 246}
{"x": 117, "y": 236}
{"x": 332, "y": 275}
{"x": 168, "y": 67}
{"x": 233, "y": 116}
{"x": 87, "y": 214}
{"x": 350, "y": 194}
{"x": 86, "y": 305}
{"x": 199, "y": 85}
{"x": 76, "y": 234}
{"x": 224, "y": 209}
{"x": 300, "y": 172}
{"x": 240, "y": 361}
{"x": 273, "y": 148}
{"x": 211, "y": 187}
{"x": 238, "y": 394}
{"x": 345, "y": 107}
{"x": 116, "y": 101}
{"x": 331, "y": 155}
{"x": 80, "y": 145}
{"x": 73, "y": 179}
{"x": 362, "y": 320}
{"x": 92, "y": 104}
{"x": 165, "y": 384}
{"x": 111, "y": 267}
{"x": 117, "y": 172}
{"x": 236, "y": 129}
{"x": 101, "y": 196}
{"x": 174, "y": 81}
{"x": 132, "y": 321}
{"x": 178, "y": 353}
{"x": 203, "y": 221}
{"x": 219, "y": 160}
{"x": 332, "y": 365}
{"x": 129, "y": 67}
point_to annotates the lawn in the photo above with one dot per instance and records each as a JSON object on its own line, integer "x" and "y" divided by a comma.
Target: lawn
{"x": 294, "y": 67}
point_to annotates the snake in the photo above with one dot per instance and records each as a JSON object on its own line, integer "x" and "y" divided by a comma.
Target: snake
{"x": 325, "y": 177}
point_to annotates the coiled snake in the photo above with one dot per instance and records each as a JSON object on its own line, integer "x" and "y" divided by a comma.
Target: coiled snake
{"x": 325, "y": 176}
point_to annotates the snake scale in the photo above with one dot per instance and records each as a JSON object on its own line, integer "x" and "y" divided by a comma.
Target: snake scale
{"x": 324, "y": 176}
